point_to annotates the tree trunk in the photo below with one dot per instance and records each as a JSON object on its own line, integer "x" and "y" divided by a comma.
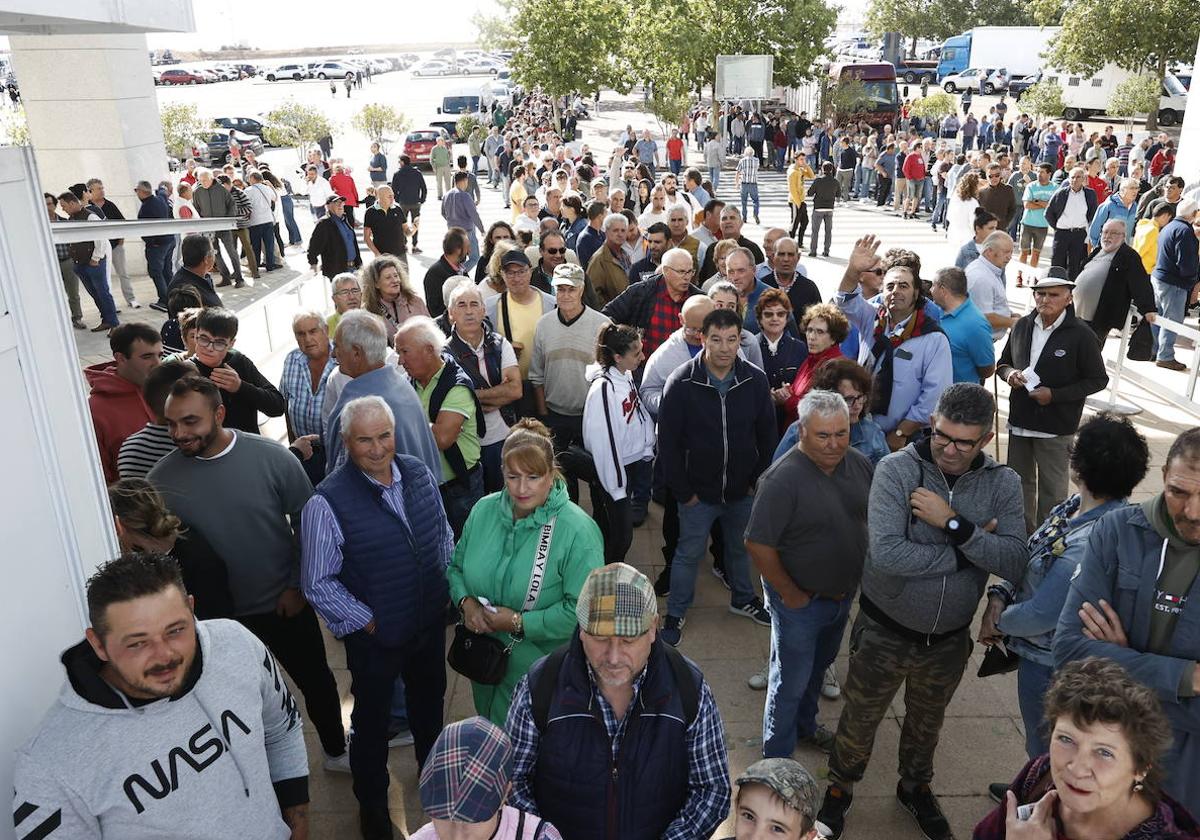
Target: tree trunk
{"x": 914, "y": 47}
{"x": 1152, "y": 117}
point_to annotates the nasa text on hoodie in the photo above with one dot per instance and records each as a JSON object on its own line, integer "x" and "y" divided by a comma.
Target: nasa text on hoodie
{"x": 211, "y": 764}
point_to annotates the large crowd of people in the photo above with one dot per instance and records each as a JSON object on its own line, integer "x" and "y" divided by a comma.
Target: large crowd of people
{"x": 618, "y": 330}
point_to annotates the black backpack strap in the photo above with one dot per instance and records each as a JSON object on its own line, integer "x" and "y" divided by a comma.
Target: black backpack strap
{"x": 520, "y": 825}
{"x": 612, "y": 440}
{"x": 541, "y": 689}
{"x": 540, "y": 830}
{"x": 689, "y": 689}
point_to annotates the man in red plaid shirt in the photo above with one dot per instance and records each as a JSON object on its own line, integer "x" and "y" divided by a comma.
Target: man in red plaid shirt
{"x": 654, "y": 303}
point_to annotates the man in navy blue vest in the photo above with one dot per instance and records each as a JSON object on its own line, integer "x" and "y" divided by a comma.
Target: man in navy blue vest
{"x": 617, "y": 735}
{"x": 375, "y": 545}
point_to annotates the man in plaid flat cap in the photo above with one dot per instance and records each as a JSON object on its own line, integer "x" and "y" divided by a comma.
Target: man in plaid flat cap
{"x": 616, "y": 734}
{"x": 465, "y": 781}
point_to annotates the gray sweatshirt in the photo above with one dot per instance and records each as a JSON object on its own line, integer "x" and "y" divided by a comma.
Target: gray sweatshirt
{"x": 913, "y": 573}
{"x": 211, "y": 764}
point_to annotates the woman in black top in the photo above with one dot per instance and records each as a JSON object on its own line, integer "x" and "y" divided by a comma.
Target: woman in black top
{"x": 145, "y": 524}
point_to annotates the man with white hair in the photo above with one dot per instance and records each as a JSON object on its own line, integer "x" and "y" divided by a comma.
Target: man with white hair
{"x": 375, "y": 547}
{"x": 1175, "y": 274}
{"x": 608, "y": 270}
{"x": 810, "y": 506}
{"x": 360, "y": 343}
{"x": 447, "y": 394}
{"x": 985, "y": 282}
{"x": 306, "y": 371}
{"x": 212, "y": 200}
{"x": 1070, "y": 211}
{"x": 1111, "y": 278}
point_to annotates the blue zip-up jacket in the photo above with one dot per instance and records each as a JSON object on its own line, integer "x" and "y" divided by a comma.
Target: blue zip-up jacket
{"x": 1178, "y": 263}
{"x": 1113, "y": 208}
{"x": 1055, "y": 550}
{"x": 711, "y": 446}
{"x": 1121, "y": 564}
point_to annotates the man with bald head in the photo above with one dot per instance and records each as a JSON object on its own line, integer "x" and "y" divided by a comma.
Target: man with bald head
{"x": 653, "y": 304}
{"x": 767, "y": 264}
{"x": 985, "y": 282}
{"x": 1111, "y": 278}
{"x": 1069, "y": 212}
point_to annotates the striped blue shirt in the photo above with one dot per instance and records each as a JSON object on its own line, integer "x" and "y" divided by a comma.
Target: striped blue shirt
{"x": 321, "y": 542}
{"x": 303, "y": 405}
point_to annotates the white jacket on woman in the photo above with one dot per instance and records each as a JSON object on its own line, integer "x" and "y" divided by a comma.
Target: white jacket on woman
{"x": 617, "y": 429}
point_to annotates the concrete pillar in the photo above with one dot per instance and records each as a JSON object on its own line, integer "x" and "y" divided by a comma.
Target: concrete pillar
{"x": 92, "y": 112}
{"x": 1187, "y": 164}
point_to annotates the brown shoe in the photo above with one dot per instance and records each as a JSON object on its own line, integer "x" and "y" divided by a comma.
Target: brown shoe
{"x": 105, "y": 327}
{"x": 225, "y": 282}
{"x": 1171, "y": 364}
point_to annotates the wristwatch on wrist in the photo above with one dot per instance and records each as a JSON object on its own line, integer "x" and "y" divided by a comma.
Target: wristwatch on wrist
{"x": 953, "y": 525}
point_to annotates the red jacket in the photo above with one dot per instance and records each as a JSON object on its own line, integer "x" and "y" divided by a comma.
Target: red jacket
{"x": 343, "y": 185}
{"x": 118, "y": 411}
{"x": 914, "y": 166}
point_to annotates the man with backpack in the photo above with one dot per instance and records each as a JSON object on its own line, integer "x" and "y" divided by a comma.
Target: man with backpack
{"x": 666, "y": 777}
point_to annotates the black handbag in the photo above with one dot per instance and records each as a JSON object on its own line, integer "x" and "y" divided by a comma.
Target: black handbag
{"x": 482, "y": 658}
{"x": 478, "y": 657}
{"x": 998, "y": 660}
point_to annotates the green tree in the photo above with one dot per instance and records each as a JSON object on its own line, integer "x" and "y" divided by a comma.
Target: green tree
{"x": 1136, "y": 95}
{"x": 14, "y": 128}
{"x": 496, "y": 31}
{"x": 293, "y": 124}
{"x": 935, "y": 105}
{"x": 377, "y": 121}
{"x": 1045, "y": 99}
{"x": 1125, "y": 33}
{"x": 465, "y": 125}
{"x": 182, "y": 128}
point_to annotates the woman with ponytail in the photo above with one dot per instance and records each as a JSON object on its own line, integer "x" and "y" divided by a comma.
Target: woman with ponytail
{"x": 618, "y": 432}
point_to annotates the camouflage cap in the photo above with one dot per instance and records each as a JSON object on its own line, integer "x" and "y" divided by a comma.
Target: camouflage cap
{"x": 616, "y": 600}
{"x": 788, "y": 778}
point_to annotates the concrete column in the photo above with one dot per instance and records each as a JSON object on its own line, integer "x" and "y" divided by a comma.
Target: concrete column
{"x": 1187, "y": 164}
{"x": 92, "y": 112}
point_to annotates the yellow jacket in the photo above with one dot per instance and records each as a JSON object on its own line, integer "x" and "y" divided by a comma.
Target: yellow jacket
{"x": 1145, "y": 242}
{"x": 797, "y": 172}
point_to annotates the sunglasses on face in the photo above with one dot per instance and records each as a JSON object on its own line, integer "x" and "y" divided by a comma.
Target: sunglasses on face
{"x": 556, "y": 251}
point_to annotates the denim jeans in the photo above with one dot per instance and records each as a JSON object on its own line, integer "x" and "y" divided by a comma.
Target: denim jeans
{"x": 158, "y": 266}
{"x": 1171, "y": 302}
{"x": 714, "y": 175}
{"x": 675, "y": 166}
{"x": 262, "y": 238}
{"x": 95, "y": 281}
{"x": 695, "y": 522}
{"x": 804, "y": 642}
{"x": 289, "y": 219}
{"x": 821, "y": 218}
{"x": 459, "y": 496}
{"x": 473, "y": 256}
{"x": 749, "y": 191}
{"x": 1032, "y": 681}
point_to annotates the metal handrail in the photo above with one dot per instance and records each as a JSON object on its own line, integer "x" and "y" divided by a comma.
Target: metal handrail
{"x": 1187, "y": 332}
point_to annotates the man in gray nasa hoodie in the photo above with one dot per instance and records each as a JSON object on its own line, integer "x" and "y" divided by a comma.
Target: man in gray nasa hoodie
{"x": 165, "y": 727}
{"x": 943, "y": 516}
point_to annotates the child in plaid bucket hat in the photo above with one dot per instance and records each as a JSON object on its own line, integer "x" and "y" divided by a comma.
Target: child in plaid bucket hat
{"x": 464, "y": 783}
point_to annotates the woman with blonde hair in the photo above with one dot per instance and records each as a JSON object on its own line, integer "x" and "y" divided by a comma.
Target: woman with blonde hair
{"x": 500, "y": 591}
{"x": 144, "y": 524}
{"x": 387, "y": 293}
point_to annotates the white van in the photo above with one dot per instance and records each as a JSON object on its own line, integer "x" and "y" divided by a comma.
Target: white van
{"x": 461, "y": 101}
{"x": 1085, "y": 96}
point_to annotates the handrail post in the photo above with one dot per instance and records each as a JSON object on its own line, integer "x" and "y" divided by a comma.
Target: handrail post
{"x": 1115, "y": 383}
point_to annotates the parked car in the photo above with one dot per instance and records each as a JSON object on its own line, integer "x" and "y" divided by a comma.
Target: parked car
{"x": 247, "y": 69}
{"x": 418, "y": 144}
{"x": 246, "y": 125}
{"x": 210, "y": 76}
{"x": 295, "y": 72}
{"x": 1019, "y": 84}
{"x": 335, "y": 70}
{"x": 215, "y": 149}
{"x": 433, "y": 68}
{"x": 985, "y": 80}
{"x": 181, "y": 77}
{"x": 480, "y": 66}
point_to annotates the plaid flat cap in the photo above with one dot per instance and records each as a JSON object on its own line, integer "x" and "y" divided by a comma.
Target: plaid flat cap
{"x": 616, "y": 600}
{"x": 467, "y": 772}
{"x": 788, "y": 778}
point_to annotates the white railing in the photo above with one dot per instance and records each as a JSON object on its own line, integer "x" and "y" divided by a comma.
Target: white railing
{"x": 265, "y": 326}
{"x": 1186, "y": 400}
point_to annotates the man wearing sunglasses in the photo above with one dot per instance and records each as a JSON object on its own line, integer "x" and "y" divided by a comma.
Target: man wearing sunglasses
{"x": 1052, "y": 363}
{"x": 944, "y": 516}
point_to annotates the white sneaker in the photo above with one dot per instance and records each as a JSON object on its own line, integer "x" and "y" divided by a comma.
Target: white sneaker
{"x": 338, "y": 763}
{"x": 830, "y": 687}
{"x": 758, "y": 681}
{"x": 133, "y": 304}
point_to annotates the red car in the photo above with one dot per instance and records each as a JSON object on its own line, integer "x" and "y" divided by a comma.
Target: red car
{"x": 181, "y": 77}
{"x": 418, "y": 144}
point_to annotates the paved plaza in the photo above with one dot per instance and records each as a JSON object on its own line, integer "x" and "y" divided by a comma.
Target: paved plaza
{"x": 982, "y": 740}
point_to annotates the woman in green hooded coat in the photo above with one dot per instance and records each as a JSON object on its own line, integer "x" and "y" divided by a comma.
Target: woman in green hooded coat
{"x": 494, "y": 561}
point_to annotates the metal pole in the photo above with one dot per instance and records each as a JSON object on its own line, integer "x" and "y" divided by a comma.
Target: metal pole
{"x": 1114, "y": 383}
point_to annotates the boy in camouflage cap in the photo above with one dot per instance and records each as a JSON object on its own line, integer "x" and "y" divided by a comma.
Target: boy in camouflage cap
{"x": 776, "y": 798}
